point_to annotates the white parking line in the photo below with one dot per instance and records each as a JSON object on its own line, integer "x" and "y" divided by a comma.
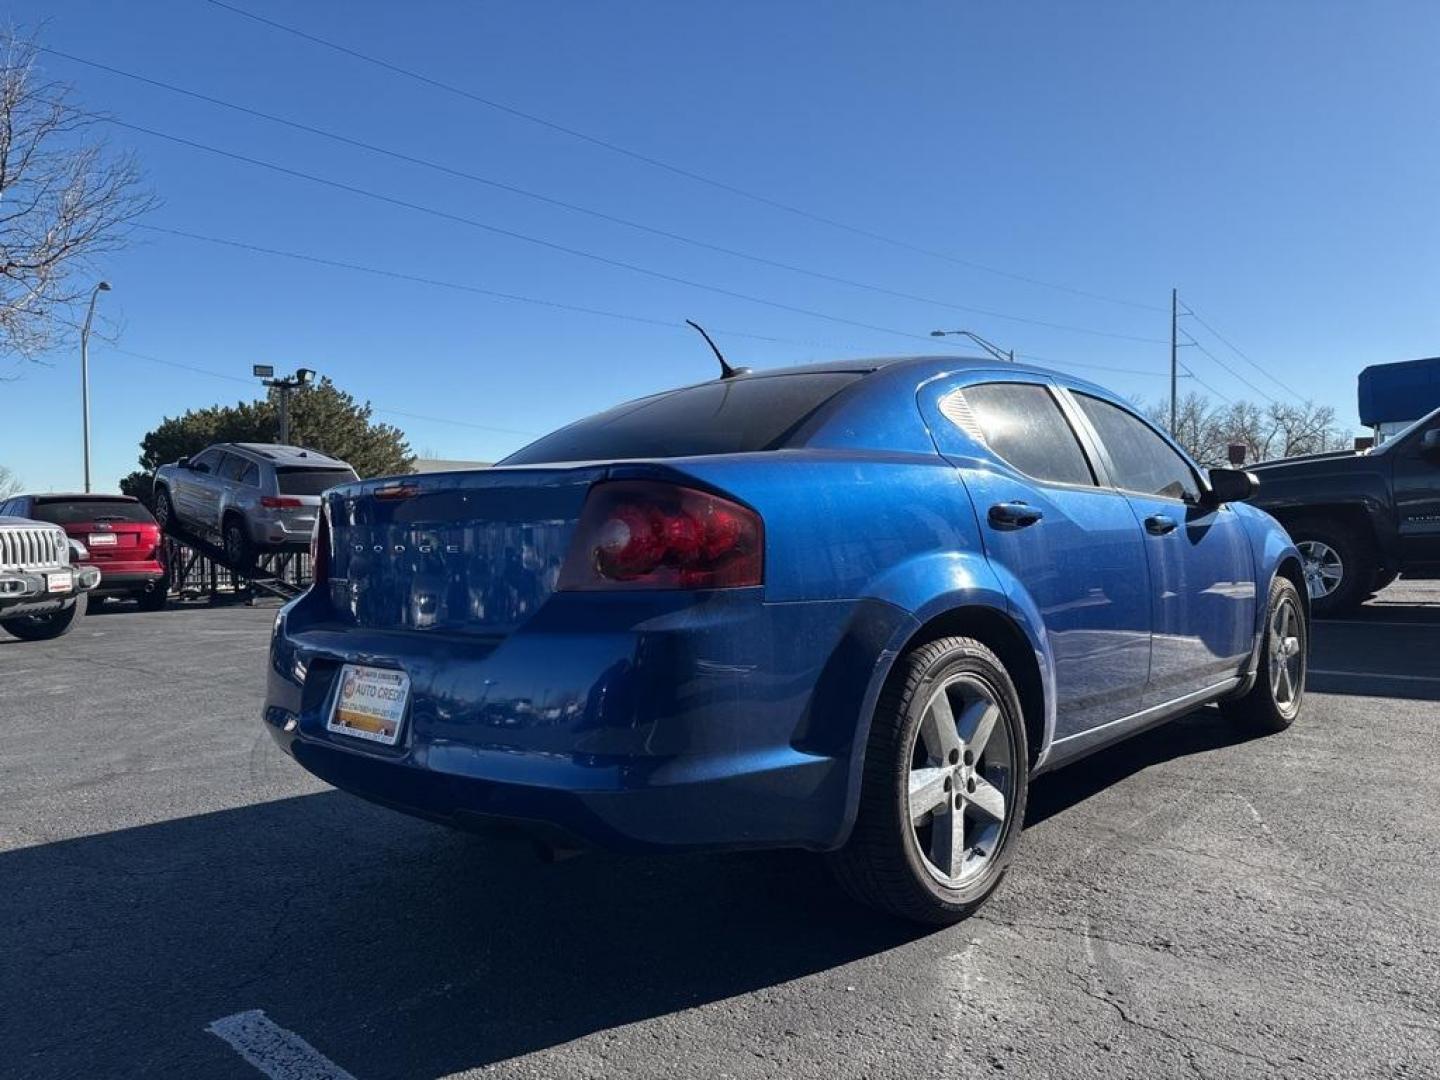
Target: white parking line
{"x": 279, "y": 1054}
{"x": 1390, "y": 623}
{"x": 1376, "y": 675}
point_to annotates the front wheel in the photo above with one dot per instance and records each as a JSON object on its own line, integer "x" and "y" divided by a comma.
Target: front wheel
{"x": 50, "y": 625}
{"x": 942, "y": 798}
{"x": 165, "y": 510}
{"x": 1273, "y": 703}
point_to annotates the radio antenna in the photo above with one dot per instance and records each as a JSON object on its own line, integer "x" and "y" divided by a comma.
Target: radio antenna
{"x": 726, "y": 371}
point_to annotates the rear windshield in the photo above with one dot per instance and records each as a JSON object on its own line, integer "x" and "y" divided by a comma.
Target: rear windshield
{"x": 77, "y": 511}
{"x": 298, "y": 480}
{"x": 723, "y": 417}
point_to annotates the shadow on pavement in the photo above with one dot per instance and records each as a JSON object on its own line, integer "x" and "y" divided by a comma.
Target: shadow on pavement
{"x": 1198, "y": 732}
{"x": 1379, "y": 650}
{"x": 395, "y": 947}
{"x": 403, "y": 949}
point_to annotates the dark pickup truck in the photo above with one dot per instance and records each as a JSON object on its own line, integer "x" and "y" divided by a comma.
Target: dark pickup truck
{"x": 1361, "y": 519}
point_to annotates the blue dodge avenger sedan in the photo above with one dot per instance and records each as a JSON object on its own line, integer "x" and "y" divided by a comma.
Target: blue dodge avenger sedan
{"x": 853, "y": 608}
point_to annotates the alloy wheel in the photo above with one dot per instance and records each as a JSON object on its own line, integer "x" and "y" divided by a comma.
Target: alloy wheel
{"x": 962, "y": 780}
{"x": 1323, "y": 568}
{"x": 1287, "y": 657}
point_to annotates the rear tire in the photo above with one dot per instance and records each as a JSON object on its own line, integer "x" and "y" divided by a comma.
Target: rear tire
{"x": 45, "y": 627}
{"x": 239, "y": 552}
{"x": 947, "y": 744}
{"x": 1274, "y": 702}
{"x": 1339, "y": 565}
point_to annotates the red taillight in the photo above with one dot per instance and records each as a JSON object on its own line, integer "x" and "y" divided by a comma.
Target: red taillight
{"x": 320, "y": 548}
{"x": 647, "y": 535}
{"x": 280, "y": 502}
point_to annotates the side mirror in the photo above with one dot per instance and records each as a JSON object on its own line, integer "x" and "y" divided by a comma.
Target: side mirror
{"x": 1430, "y": 442}
{"x": 183, "y": 463}
{"x": 1231, "y": 485}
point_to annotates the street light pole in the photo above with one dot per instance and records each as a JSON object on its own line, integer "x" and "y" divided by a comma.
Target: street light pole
{"x": 302, "y": 377}
{"x": 989, "y": 346}
{"x": 103, "y": 286}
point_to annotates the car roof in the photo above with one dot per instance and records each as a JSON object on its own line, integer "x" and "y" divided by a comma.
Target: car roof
{"x": 926, "y": 366}
{"x": 280, "y": 454}
{"x": 76, "y": 496}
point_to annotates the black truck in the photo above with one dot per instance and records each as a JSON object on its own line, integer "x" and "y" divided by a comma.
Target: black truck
{"x": 1361, "y": 519}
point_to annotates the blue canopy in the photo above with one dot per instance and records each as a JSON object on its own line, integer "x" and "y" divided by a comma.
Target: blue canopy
{"x": 1399, "y": 392}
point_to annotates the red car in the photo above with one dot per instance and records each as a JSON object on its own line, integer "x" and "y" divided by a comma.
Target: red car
{"x": 122, "y": 538}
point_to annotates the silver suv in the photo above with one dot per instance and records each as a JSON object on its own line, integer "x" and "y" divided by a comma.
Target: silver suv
{"x": 253, "y": 496}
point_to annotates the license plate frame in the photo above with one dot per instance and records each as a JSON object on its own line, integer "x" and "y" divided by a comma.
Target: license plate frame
{"x": 369, "y": 703}
{"x": 60, "y": 581}
{"x": 102, "y": 540}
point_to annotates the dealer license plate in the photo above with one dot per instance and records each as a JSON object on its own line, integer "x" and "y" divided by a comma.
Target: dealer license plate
{"x": 370, "y": 703}
{"x": 102, "y": 540}
{"x": 64, "y": 581}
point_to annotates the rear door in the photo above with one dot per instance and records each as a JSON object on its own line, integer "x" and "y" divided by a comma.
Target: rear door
{"x": 1070, "y": 543}
{"x": 1417, "y": 503}
{"x": 1202, "y": 573}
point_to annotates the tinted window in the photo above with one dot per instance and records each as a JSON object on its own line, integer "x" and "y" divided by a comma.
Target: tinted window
{"x": 723, "y": 417}
{"x": 1143, "y": 461}
{"x": 251, "y": 475}
{"x": 205, "y": 461}
{"x": 1023, "y": 424}
{"x": 232, "y": 467}
{"x": 73, "y": 511}
{"x": 297, "y": 480}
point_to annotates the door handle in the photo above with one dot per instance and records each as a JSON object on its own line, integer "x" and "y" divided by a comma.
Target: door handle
{"x": 1159, "y": 524}
{"x": 1014, "y": 515}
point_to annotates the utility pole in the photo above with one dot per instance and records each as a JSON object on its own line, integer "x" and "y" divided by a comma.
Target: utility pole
{"x": 1174, "y": 356}
{"x": 103, "y": 286}
{"x": 266, "y": 374}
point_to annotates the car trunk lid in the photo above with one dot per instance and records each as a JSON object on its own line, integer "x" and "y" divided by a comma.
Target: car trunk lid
{"x": 474, "y": 552}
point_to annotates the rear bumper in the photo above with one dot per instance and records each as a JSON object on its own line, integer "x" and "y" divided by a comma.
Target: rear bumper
{"x": 133, "y": 580}
{"x": 662, "y": 722}
{"x": 272, "y": 529}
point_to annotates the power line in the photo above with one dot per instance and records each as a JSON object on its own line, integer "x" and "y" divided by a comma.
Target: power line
{"x": 553, "y": 245}
{"x": 658, "y": 163}
{"x": 1207, "y": 386}
{"x": 1228, "y": 368}
{"x": 476, "y": 289}
{"x": 1190, "y": 311}
{"x": 601, "y": 215}
{"x": 499, "y": 231}
{"x": 321, "y": 260}
{"x": 251, "y": 383}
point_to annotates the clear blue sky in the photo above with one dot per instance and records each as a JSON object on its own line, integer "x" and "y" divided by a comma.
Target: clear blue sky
{"x": 1276, "y": 161}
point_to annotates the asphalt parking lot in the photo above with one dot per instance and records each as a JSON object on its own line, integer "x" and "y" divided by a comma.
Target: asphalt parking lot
{"x": 1192, "y": 903}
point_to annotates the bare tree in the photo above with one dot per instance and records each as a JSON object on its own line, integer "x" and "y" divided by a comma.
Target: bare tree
{"x": 65, "y": 200}
{"x": 9, "y": 483}
{"x": 1280, "y": 429}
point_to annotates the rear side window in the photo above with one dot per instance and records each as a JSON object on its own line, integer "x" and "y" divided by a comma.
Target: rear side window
{"x": 75, "y": 511}
{"x": 297, "y": 480}
{"x": 724, "y": 417}
{"x": 232, "y": 467}
{"x": 1023, "y": 424}
{"x": 1142, "y": 460}
{"x": 251, "y": 475}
